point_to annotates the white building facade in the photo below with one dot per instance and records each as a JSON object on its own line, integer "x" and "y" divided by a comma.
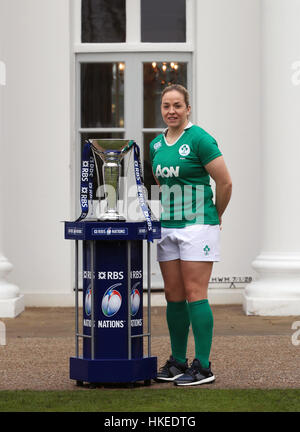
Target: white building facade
{"x": 59, "y": 63}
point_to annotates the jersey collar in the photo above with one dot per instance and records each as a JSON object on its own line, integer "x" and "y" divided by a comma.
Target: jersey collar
{"x": 189, "y": 125}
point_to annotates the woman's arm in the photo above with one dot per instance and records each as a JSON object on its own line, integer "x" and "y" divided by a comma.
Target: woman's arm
{"x": 218, "y": 171}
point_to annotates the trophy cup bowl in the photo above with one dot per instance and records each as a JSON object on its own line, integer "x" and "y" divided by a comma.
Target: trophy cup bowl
{"x": 111, "y": 151}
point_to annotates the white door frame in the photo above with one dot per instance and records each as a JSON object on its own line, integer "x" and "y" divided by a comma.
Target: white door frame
{"x": 133, "y": 111}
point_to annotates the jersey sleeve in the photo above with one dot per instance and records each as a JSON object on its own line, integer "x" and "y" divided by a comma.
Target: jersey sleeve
{"x": 153, "y": 144}
{"x": 207, "y": 149}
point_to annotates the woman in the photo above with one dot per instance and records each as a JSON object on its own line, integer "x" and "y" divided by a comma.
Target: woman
{"x": 183, "y": 158}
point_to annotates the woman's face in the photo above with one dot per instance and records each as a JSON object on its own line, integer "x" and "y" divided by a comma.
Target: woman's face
{"x": 174, "y": 110}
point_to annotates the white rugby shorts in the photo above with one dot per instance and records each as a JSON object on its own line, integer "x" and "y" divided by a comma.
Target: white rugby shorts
{"x": 191, "y": 243}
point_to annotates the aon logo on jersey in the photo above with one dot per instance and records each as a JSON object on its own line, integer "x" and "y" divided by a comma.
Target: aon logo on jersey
{"x": 167, "y": 172}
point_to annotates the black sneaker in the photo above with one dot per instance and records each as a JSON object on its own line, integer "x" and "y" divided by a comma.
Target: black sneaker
{"x": 195, "y": 375}
{"x": 171, "y": 370}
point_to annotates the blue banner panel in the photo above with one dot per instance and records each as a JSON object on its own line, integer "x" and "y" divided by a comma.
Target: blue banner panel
{"x": 96, "y": 230}
{"x": 111, "y": 299}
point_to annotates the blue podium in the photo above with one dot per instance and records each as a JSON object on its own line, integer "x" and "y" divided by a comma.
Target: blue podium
{"x": 112, "y": 287}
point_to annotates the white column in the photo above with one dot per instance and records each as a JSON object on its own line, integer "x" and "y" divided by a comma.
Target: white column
{"x": 11, "y": 302}
{"x": 277, "y": 288}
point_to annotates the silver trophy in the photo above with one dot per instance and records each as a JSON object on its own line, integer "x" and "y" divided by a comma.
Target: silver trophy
{"x": 111, "y": 151}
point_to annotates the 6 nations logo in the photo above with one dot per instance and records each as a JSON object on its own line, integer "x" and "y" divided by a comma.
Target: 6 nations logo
{"x": 111, "y": 304}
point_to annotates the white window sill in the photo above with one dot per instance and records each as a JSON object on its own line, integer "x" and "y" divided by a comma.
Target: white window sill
{"x": 132, "y": 47}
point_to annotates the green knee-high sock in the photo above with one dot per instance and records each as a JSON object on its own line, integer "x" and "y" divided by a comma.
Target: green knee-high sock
{"x": 178, "y": 322}
{"x": 202, "y": 324}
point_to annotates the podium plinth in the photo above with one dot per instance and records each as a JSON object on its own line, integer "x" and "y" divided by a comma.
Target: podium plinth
{"x": 112, "y": 289}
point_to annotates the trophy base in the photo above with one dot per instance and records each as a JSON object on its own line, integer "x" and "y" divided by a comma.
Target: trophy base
{"x": 111, "y": 217}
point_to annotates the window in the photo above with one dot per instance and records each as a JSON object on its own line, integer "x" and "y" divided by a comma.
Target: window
{"x": 119, "y": 78}
{"x": 103, "y": 21}
{"x": 119, "y": 90}
{"x": 160, "y": 21}
{"x": 102, "y": 94}
{"x": 102, "y": 104}
{"x": 163, "y": 21}
{"x": 157, "y": 75}
{"x": 120, "y": 98}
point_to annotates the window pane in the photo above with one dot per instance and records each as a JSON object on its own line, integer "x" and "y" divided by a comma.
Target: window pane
{"x": 102, "y": 94}
{"x": 103, "y": 21}
{"x": 148, "y": 175}
{"x": 104, "y": 135}
{"x": 158, "y": 75}
{"x": 163, "y": 21}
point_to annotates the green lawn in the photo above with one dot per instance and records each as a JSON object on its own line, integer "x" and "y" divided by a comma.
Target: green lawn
{"x": 151, "y": 400}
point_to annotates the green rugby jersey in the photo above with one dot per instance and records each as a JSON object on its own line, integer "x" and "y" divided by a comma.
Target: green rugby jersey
{"x": 186, "y": 194}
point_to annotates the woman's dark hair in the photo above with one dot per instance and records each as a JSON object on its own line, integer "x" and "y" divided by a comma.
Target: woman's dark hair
{"x": 180, "y": 89}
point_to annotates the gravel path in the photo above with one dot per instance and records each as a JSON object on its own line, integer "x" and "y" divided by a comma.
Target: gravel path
{"x": 238, "y": 362}
{"x": 254, "y": 359}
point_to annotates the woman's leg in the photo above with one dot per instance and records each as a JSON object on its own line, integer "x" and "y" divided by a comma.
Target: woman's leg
{"x": 177, "y": 310}
{"x": 196, "y": 275}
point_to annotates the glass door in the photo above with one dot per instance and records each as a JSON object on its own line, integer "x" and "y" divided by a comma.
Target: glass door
{"x": 156, "y": 76}
{"x": 118, "y": 96}
{"x": 158, "y": 71}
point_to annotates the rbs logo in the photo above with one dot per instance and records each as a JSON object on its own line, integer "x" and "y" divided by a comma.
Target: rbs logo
{"x": 111, "y": 275}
